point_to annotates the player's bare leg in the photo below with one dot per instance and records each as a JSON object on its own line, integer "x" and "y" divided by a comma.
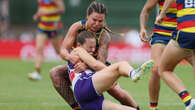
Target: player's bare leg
{"x": 61, "y": 83}
{"x": 154, "y": 82}
{"x": 111, "y": 74}
{"x": 122, "y": 96}
{"x": 172, "y": 55}
{"x": 40, "y": 44}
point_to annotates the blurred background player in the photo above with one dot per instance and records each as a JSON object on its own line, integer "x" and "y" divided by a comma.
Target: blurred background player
{"x": 181, "y": 46}
{"x": 96, "y": 14}
{"x": 160, "y": 38}
{"x": 4, "y": 18}
{"x": 90, "y": 84}
{"x": 49, "y": 27}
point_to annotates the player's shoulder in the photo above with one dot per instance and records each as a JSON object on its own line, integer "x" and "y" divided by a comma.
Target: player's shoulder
{"x": 76, "y": 26}
{"x": 106, "y": 33}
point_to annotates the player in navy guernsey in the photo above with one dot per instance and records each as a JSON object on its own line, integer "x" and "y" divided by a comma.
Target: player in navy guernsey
{"x": 182, "y": 45}
{"x": 94, "y": 22}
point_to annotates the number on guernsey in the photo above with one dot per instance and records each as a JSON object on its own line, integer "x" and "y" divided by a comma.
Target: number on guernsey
{"x": 189, "y": 3}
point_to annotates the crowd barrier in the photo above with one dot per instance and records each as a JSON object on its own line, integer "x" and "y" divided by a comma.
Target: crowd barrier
{"x": 117, "y": 51}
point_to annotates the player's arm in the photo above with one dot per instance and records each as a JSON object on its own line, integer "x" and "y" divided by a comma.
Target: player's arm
{"x": 104, "y": 43}
{"x": 88, "y": 59}
{"x": 149, "y": 5}
{"x": 162, "y": 14}
{"x": 68, "y": 42}
{"x": 36, "y": 16}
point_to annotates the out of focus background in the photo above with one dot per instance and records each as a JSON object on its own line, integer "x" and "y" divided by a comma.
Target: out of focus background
{"x": 18, "y": 28}
{"x": 17, "y": 51}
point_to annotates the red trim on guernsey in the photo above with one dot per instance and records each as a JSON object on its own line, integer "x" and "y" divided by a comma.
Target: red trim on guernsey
{"x": 174, "y": 5}
{"x": 72, "y": 76}
{"x": 158, "y": 30}
{"x": 179, "y": 6}
{"x": 96, "y": 52}
{"x": 161, "y": 3}
{"x": 47, "y": 5}
{"x": 52, "y": 24}
{"x": 56, "y": 14}
{"x": 186, "y": 24}
{"x": 46, "y": 24}
{"x": 167, "y": 19}
{"x": 59, "y": 25}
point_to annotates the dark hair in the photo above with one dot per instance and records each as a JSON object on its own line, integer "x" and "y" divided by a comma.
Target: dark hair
{"x": 83, "y": 35}
{"x": 96, "y": 7}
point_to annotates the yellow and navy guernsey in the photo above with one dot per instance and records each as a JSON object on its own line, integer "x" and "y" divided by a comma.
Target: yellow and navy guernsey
{"x": 185, "y": 34}
{"x": 49, "y": 23}
{"x": 97, "y": 35}
{"x": 163, "y": 32}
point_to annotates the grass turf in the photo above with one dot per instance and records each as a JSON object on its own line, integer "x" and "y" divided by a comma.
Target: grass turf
{"x": 18, "y": 93}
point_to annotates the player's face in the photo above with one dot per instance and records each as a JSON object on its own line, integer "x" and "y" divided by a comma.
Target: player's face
{"x": 89, "y": 45}
{"x": 95, "y": 21}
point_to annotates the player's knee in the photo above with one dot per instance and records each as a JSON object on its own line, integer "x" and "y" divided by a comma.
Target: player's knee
{"x": 59, "y": 74}
{"x": 39, "y": 50}
{"x": 53, "y": 73}
{"x": 120, "y": 66}
{"x": 57, "y": 70}
{"x": 160, "y": 73}
{"x": 155, "y": 69}
{"x": 161, "y": 70}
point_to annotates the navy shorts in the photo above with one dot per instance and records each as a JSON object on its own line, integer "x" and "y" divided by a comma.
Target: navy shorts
{"x": 87, "y": 96}
{"x": 185, "y": 39}
{"x": 50, "y": 34}
{"x": 161, "y": 39}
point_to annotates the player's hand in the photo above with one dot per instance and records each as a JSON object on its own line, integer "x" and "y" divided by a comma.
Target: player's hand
{"x": 74, "y": 58}
{"x": 36, "y": 17}
{"x": 80, "y": 67}
{"x": 40, "y": 12}
{"x": 159, "y": 19}
{"x": 144, "y": 36}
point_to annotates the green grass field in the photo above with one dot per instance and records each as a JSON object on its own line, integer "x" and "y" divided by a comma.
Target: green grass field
{"x": 18, "y": 93}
